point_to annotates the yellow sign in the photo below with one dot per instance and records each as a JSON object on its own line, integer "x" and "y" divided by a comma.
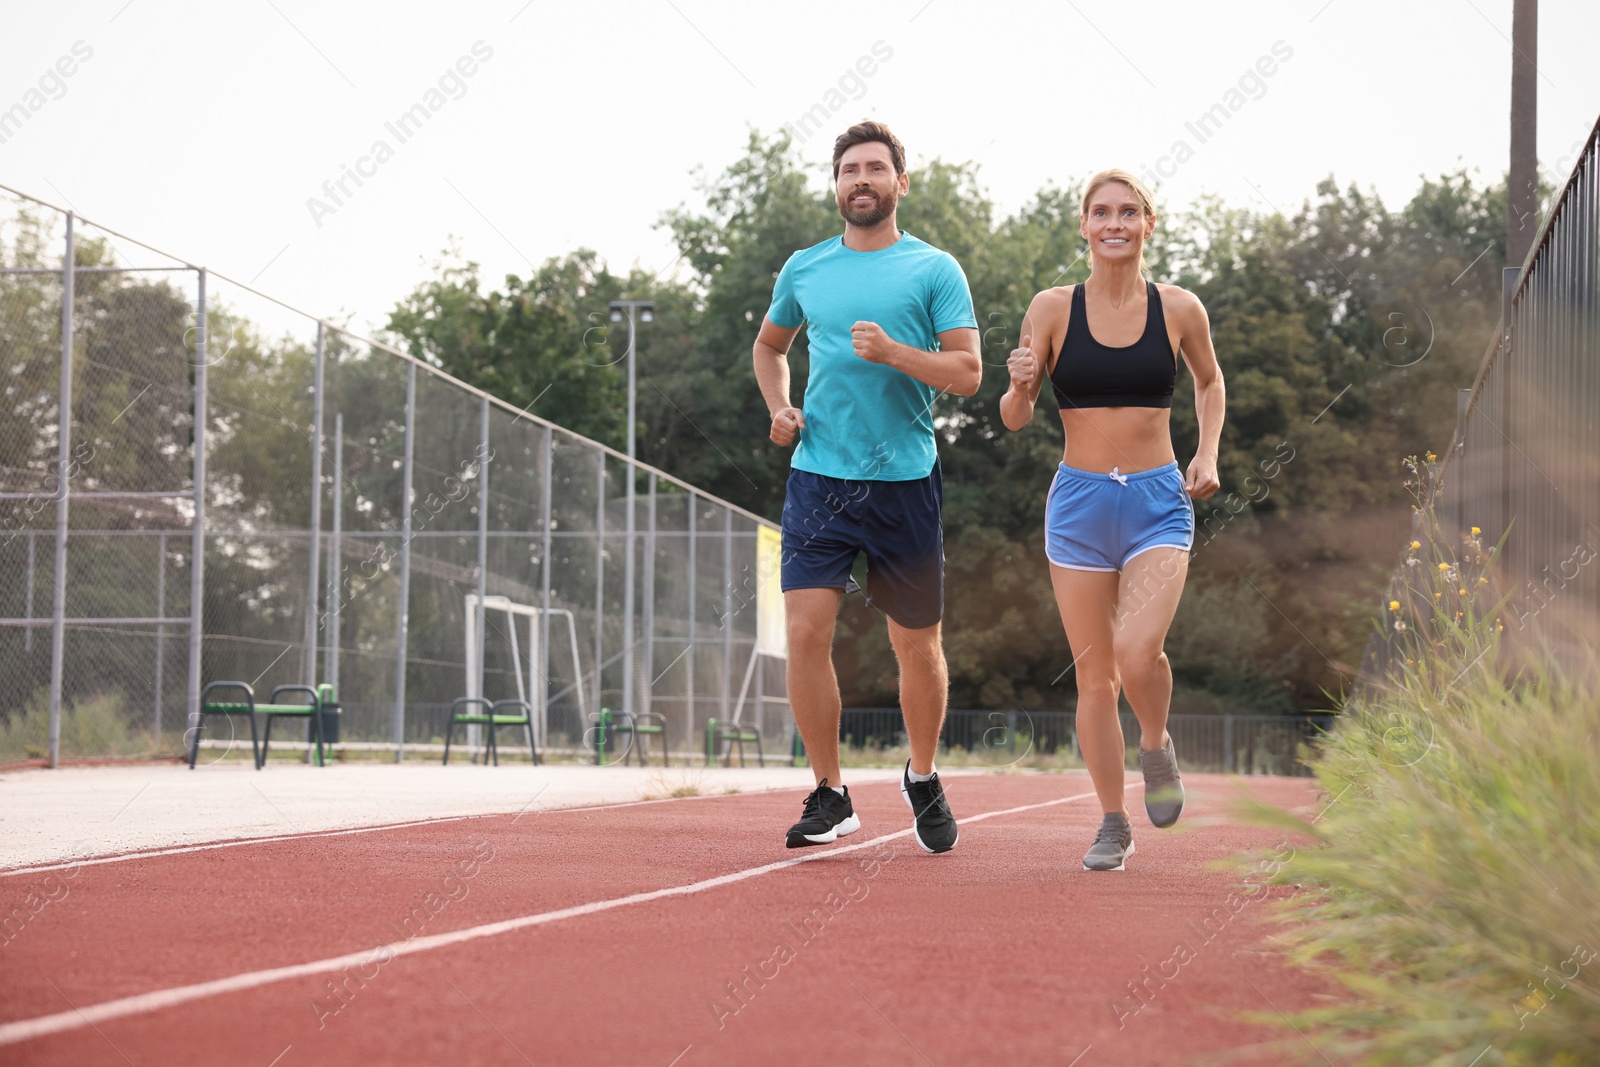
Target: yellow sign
{"x": 772, "y": 636}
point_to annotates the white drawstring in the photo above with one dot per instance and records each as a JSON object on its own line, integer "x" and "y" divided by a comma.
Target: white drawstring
{"x": 1121, "y": 479}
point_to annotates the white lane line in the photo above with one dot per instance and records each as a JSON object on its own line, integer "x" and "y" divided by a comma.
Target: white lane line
{"x": 143, "y": 1003}
{"x": 118, "y": 857}
{"x": 178, "y": 850}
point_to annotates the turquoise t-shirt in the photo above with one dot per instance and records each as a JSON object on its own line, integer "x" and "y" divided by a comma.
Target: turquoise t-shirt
{"x": 867, "y": 421}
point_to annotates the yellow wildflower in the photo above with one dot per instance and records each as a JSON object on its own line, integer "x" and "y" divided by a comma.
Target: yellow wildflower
{"x": 1476, "y": 531}
{"x": 1483, "y": 581}
{"x": 1432, "y": 457}
{"x": 1394, "y": 605}
{"x": 1461, "y": 592}
{"x": 1444, "y": 566}
{"x": 1416, "y": 544}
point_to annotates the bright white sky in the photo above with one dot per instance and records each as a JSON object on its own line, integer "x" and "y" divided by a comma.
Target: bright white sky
{"x": 203, "y": 128}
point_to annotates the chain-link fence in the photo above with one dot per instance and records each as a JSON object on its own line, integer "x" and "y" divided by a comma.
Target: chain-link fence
{"x": 364, "y": 521}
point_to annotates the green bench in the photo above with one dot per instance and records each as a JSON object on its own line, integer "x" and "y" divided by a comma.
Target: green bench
{"x": 495, "y": 715}
{"x": 720, "y": 732}
{"x": 321, "y": 700}
{"x": 644, "y": 724}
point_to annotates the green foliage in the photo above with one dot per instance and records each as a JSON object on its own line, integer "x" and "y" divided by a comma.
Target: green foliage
{"x": 97, "y": 726}
{"x": 1452, "y": 894}
{"x": 1457, "y": 874}
{"x": 540, "y": 343}
{"x": 1343, "y": 332}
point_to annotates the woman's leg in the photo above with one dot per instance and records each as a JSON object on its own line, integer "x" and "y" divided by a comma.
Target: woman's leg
{"x": 1088, "y": 604}
{"x": 1147, "y": 599}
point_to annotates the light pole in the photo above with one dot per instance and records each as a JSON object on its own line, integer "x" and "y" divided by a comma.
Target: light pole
{"x": 647, "y": 314}
{"x": 646, "y": 311}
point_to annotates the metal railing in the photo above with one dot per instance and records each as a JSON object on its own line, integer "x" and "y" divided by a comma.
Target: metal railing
{"x": 1525, "y": 462}
{"x": 199, "y": 482}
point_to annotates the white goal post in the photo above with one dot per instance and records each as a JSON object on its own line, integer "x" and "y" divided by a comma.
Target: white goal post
{"x": 532, "y": 687}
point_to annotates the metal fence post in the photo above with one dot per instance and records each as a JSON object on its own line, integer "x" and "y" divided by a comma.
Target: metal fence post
{"x": 649, "y": 676}
{"x": 197, "y": 549}
{"x": 314, "y": 556}
{"x": 335, "y": 595}
{"x": 482, "y": 636}
{"x": 543, "y": 703}
{"x": 599, "y": 575}
{"x": 688, "y": 687}
{"x": 58, "y": 627}
{"x": 727, "y": 609}
{"x": 1227, "y": 743}
{"x": 161, "y": 631}
{"x": 27, "y": 631}
{"x": 629, "y": 527}
{"x": 402, "y": 612}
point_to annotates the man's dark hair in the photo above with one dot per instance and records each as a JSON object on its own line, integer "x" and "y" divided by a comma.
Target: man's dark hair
{"x": 866, "y": 133}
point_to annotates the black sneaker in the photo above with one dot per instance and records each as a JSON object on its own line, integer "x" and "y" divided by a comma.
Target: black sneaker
{"x": 827, "y": 817}
{"x": 932, "y": 824}
{"x": 1113, "y": 844}
{"x": 1163, "y": 785}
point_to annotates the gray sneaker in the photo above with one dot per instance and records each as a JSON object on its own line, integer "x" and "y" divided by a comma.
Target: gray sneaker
{"x": 1113, "y": 844}
{"x": 1163, "y": 785}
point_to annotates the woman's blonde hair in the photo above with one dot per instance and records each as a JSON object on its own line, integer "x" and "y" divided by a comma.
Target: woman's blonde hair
{"x": 1147, "y": 202}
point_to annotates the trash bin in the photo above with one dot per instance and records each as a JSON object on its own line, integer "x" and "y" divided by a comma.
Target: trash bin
{"x": 331, "y": 713}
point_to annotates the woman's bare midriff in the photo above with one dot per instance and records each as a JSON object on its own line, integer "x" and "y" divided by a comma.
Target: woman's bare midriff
{"x": 1128, "y": 439}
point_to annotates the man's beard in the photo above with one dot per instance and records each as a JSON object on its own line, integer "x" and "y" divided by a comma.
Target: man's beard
{"x": 869, "y": 216}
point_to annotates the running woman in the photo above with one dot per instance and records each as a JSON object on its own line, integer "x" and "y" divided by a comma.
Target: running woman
{"x": 1119, "y": 522}
{"x": 891, "y": 326}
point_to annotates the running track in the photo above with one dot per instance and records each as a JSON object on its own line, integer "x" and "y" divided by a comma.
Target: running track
{"x": 614, "y": 935}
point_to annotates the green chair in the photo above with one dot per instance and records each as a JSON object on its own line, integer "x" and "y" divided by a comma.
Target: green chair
{"x": 732, "y": 733}
{"x": 644, "y": 724}
{"x": 208, "y": 706}
{"x": 512, "y": 712}
{"x": 269, "y": 711}
{"x": 460, "y": 716}
{"x": 274, "y": 710}
{"x": 509, "y": 712}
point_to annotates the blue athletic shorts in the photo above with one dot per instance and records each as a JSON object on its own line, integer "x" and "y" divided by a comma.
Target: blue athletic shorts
{"x": 1098, "y": 522}
{"x": 827, "y": 522}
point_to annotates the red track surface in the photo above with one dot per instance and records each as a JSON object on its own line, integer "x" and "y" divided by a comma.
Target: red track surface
{"x": 1004, "y": 951}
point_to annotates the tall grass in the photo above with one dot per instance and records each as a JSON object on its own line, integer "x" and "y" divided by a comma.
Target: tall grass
{"x": 97, "y": 726}
{"x": 1456, "y": 892}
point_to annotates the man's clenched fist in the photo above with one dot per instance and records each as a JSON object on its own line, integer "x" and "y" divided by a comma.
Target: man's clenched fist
{"x": 786, "y": 425}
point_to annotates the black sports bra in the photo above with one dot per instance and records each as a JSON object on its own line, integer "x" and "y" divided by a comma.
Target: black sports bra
{"x": 1089, "y": 374}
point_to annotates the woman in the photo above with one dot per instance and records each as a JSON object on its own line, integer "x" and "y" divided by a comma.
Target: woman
{"x": 1119, "y": 523}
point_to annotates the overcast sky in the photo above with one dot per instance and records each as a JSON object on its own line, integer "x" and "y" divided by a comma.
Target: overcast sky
{"x": 210, "y": 129}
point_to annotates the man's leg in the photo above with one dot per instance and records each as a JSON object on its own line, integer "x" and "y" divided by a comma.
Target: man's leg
{"x": 813, "y": 686}
{"x": 924, "y": 689}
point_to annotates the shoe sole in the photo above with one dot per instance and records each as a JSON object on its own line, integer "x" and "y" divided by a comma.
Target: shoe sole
{"x": 916, "y": 835}
{"x": 848, "y": 826}
{"x": 1121, "y": 866}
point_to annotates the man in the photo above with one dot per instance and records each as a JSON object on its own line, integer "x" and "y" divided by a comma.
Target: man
{"x": 891, "y": 327}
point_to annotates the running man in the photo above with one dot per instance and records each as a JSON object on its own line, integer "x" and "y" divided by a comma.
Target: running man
{"x": 1119, "y": 523}
{"x": 891, "y": 327}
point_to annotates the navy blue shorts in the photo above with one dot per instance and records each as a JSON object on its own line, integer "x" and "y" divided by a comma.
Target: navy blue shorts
{"x": 827, "y": 522}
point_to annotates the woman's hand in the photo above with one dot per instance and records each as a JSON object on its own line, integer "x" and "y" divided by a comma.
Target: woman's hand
{"x": 1201, "y": 479}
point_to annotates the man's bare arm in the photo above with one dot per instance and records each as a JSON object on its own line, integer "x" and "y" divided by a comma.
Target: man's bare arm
{"x": 954, "y": 368}
{"x": 771, "y": 356}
